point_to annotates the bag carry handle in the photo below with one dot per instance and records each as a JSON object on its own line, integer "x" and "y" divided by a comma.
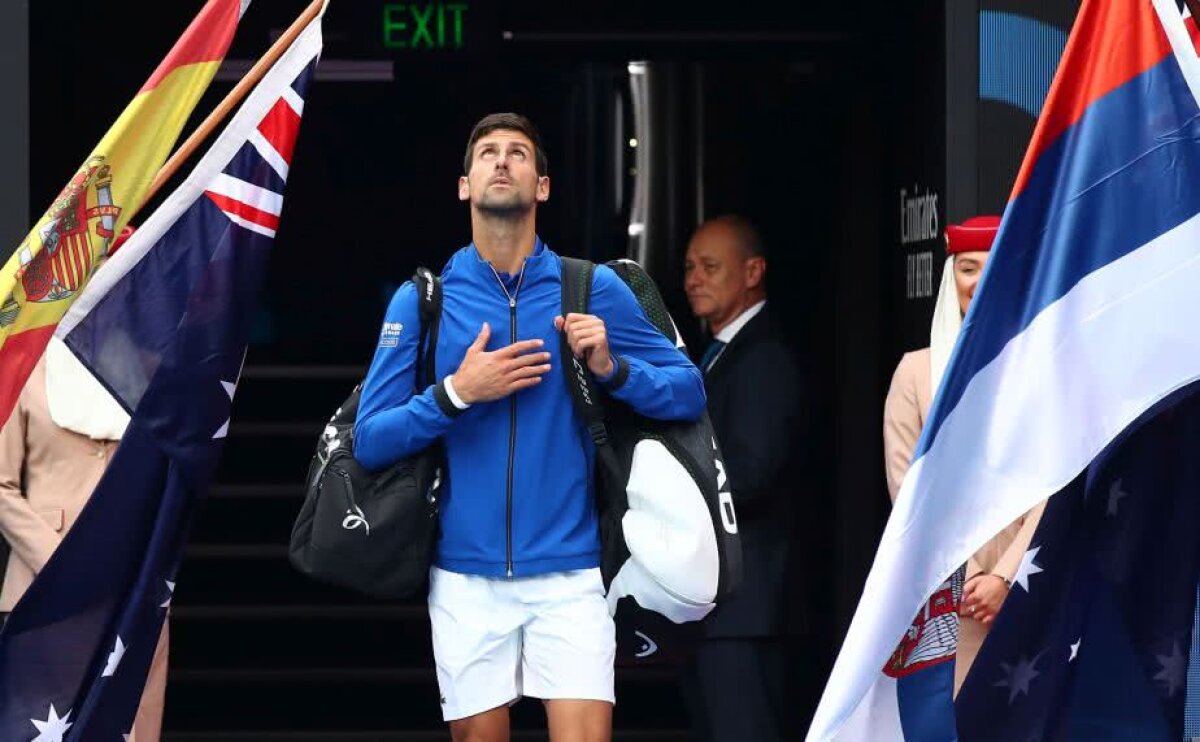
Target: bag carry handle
{"x": 585, "y": 394}
{"x": 576, "y": 296}
{"x": 429, "y": 306}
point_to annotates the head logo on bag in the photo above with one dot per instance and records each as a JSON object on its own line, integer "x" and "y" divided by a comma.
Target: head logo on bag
{"x": 581, "y": 379}
{"x": 648, "y": 646}
{"x": 332, "y": 440}
{"x": 724, "y": 494}
{"x": 355, "y": 518}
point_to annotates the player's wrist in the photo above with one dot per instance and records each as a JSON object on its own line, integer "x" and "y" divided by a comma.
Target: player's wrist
{"x": 456, "y": 386}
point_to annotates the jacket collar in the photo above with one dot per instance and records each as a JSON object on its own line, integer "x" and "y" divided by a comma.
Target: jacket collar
{"x": 730, "y": 331}
{"x": 539, "y": 263}
{"x": 755, "y": 327}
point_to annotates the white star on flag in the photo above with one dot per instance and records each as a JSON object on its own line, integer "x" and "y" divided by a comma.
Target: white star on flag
{"x": 230, "y": 389}
{"x": 1174, "y": 669}
{"x": 114, "y": 659}
{"x": 1018, "y": 677}
{"x": 1075, "y": 649}
{"x": 171, "y": 594}
{"x": 53, "y": 728}
{"x": 1115, "y": 494}
{"x": 1027, "y": 568}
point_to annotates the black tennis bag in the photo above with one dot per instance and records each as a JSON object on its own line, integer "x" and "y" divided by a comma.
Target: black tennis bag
{"x": 668, "y": 529}
{"x": 373, "y": 532}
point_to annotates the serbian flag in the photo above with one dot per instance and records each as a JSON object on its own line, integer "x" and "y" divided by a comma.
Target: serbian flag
{"x": 64, "y": 248}
{"x": 1072, "y": 382}
{"x": 163, "y": 326}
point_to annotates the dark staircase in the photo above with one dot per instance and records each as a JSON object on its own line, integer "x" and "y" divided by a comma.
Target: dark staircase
{"x": 260, "y": 653}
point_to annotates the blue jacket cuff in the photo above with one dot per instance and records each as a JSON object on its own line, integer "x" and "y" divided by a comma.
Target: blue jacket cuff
{"x": 618, "y": 376}
{"x": 444, "y": 402}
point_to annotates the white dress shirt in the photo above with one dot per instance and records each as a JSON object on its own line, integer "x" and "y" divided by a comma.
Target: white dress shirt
{"x": 730, "y": 331}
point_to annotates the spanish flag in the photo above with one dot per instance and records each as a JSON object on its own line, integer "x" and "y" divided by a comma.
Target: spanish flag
{"x": 66, "y": 246}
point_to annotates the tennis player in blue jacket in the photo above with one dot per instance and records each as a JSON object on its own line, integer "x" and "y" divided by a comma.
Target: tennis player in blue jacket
{"x": 516, "y": 600}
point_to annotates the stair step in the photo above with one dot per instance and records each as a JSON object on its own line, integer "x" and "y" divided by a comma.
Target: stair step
{"x": 402, "y": 699}
{"x": 283, "y": 372}
{"x": 286, "y": 490}
{"x": 272, "y": 700}
{"x": 267, "y": 459}
{"x": 274, "y": 551}
{"x": 231, "y": 575}
{"x": 307, "y": 428}
{"x": 282, "y": 393}
{"x": 276, "y": 612}
{"x": 394, "y": 676}
{"x": 246, "y": 520}
{"x": 640, "y": 676}
{"x": 322, "y": 642}
{"x": 441, "y": 735}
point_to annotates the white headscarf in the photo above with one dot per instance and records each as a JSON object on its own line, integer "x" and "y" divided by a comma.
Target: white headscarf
{"x": 947, "y": 321}
{"x": 77, "y": 401}
{"x": 973, "y": 235}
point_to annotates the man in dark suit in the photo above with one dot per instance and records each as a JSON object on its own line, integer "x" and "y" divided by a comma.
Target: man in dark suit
{"x": 735, "y": 688}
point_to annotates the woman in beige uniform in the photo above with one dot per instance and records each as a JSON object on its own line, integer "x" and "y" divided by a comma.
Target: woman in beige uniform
{"x": 990, "y": 570}
{"x": 53, "y": 451}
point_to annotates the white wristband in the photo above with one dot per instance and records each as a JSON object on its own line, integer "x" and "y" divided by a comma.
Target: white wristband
{"x": 453, "y": 395}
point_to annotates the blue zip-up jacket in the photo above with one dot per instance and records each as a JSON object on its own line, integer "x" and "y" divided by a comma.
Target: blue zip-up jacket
{"x": 519, "y": 497}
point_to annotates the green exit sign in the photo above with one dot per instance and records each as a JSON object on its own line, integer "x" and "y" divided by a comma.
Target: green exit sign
{"x": 423, "y": 25}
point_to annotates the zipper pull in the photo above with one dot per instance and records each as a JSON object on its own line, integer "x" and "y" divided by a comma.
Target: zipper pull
{"x": 512, "y": 302}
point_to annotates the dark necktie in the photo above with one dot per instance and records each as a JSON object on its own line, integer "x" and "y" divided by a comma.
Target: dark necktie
{"x": 710, "y": 354}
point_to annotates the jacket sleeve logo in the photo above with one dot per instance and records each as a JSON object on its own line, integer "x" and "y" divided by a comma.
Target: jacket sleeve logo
{"x": 390, "y": 337}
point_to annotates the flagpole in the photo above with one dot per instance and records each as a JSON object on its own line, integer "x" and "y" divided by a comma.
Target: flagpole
{"x": 314, "y": 9}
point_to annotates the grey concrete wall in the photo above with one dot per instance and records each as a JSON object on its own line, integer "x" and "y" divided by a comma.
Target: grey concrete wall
{"x": 14, "y": 124}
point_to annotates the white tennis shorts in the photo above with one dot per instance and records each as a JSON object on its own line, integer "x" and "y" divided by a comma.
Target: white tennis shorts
{"x": 496, "y": 640}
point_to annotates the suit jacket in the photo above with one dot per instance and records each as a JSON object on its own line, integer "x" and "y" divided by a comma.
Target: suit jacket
{"x": 47, "y": 474}
{"x": 755, "y": 402}
{"x": 904, "y": 414}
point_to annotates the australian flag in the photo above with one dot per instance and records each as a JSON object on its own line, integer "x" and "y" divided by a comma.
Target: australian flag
{"x": 1093, "y": 644}
{"x": 164, "y": 326}
{"x": 1073, "y": 381}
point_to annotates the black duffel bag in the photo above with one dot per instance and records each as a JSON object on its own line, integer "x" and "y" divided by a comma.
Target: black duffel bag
{"x": 373, "y": 532}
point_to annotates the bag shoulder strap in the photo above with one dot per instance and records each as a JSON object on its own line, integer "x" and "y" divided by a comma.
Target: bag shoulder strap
{"x": 429, "y": 309}
{"x": 576, "y": 296}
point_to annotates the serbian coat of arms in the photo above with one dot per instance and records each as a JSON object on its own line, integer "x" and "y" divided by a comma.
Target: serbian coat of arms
{"x": 933, "y": 636}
